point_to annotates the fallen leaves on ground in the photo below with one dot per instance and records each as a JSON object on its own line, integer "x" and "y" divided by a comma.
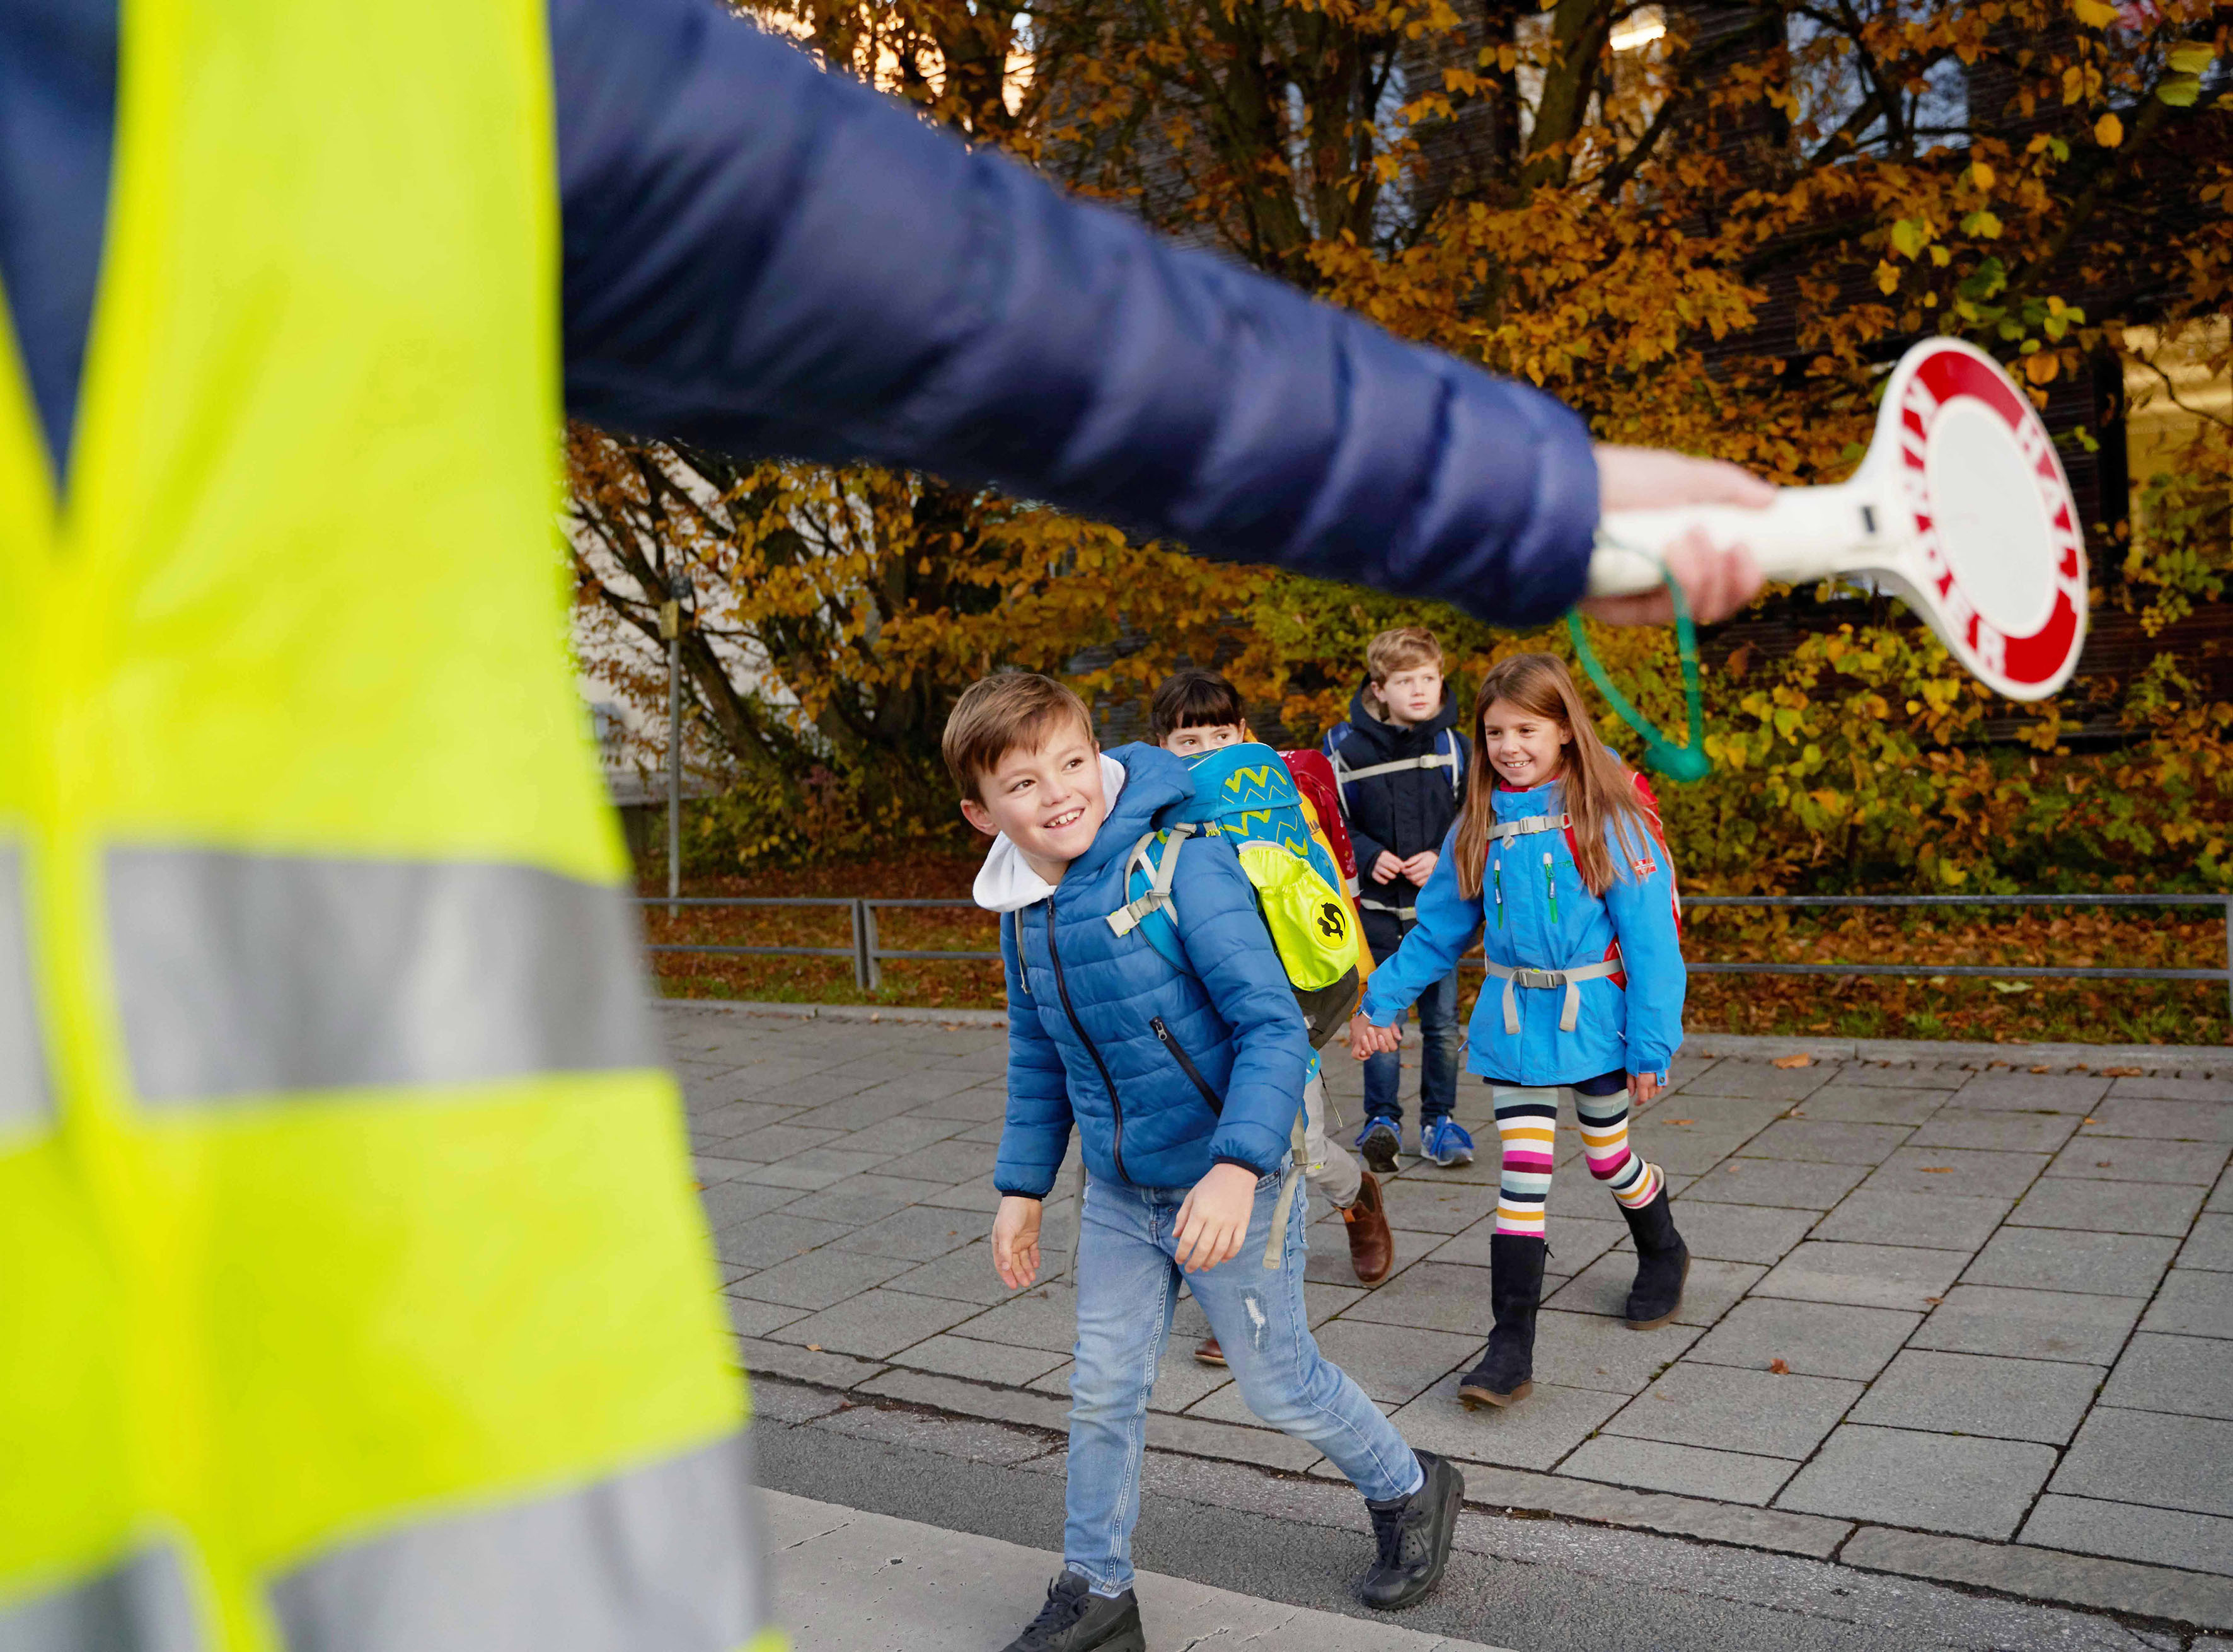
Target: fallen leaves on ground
{"x": 1795, "y": 1060}
{"x": 1779, "y": 1367}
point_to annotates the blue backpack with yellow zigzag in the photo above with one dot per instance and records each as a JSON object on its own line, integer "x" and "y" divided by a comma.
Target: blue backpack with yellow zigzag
{"x": 1245, "y": 799}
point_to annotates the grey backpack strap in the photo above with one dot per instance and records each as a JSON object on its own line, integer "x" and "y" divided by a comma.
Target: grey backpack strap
{"x": 1128, "y": 917}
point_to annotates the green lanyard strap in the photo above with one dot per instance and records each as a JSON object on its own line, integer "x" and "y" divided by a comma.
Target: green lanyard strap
{"x": 1681, "y": 763}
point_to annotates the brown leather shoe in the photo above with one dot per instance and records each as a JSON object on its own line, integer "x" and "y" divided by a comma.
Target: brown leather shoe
{"x": 1372, "y": 1246}
{"x": 1208, "y": 1352}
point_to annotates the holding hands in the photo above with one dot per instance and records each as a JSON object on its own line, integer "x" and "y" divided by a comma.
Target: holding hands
{"x": 1365, "y": 1039}
{"x": 1418, "y": 869}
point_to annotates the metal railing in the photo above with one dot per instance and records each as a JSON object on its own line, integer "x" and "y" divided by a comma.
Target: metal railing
{"x": 868, "y": 954}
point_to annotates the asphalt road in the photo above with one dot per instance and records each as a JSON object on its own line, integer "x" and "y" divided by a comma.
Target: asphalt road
{"x": 1530, "y": 1583}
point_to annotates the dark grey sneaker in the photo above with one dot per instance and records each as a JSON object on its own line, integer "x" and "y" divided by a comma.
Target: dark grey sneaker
{"x": 1074, "y": 1619}
{"x": 1415, "y": 1538}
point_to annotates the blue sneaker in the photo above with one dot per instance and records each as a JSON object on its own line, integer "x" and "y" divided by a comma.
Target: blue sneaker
{"x": 1446, "y": 1142}
{"x": 1378, "y": 1142}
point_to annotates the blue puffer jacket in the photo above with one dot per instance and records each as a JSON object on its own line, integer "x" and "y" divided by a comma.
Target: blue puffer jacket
{"x": 1632, "y": 1023}
{"x": 1085, "y": 1004}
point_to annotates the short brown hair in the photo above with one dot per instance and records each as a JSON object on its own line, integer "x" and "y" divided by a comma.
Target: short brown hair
{"x": 1404, "y": 648}
{"x": 1193, "y": 699}
{"x": 996, "y": 714}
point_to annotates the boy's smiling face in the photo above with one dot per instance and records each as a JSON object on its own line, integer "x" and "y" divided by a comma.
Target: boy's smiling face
{"x": 1049, "y": 801}
{"x": 1413, "y": 695}
{"x": 1205, "y": 737}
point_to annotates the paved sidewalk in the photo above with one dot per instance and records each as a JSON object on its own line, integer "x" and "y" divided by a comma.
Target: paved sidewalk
{"x": 851, "y": 1581}
{"x": 2000, "y": 1302}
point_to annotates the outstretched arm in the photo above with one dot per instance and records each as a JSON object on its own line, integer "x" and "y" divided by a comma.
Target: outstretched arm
{"x": 764, "y": 258}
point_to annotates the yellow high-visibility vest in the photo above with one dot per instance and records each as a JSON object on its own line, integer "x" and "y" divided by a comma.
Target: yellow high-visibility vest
{"x": 353, "y": 1295}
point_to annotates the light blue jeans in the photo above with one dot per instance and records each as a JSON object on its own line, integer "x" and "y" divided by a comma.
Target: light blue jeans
{"x": 1128, "y": 1286}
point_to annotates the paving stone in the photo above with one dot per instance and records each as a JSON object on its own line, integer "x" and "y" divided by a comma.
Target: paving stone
{"x": 1958, "y": 1172}
{"x": 709, "y": 1170}
{"x": 1977, "y": 1394}
{"x": 2186, "y": 1374}
{"x": 1257, "y": 1446}
{"x": 773, "y": 1142}
{"x": 861, "y": 1200}
{"x": 1761, "y": 1079}
{"x": 2151, "y": 1458}
{"x": 735, "y": 1119}
{"x": 2030, "y": 1325}
{"x": 820, "y": 1279}
{"x": 803, "y": 1364}
{"x": 1688, "y": 1517}
{"x": 1708, "y": 1115}
{"x": 2041, "y": 1574}
{"x": 1735, "y": 1233}
{"x": 1902, "y": 1075}
{"x": 728, "y": 1203}
{"x": 1786, "y": 1183}
{"x": 2107, "y": 1206}
{"x": 2091, "y": 1157}
{"x": 2163, "y": 1087}
{"x": 975, "y": 1442}
{"x": 1602, "y": 1288}
{"x": 1575, "y": 1241}
{"x": 2220, "y": 1197}
{"x": 1046, "y": 1316}
{"x": 1683, "y": 1152}
{"x": 1019, "y": 1406}
{"x": 2161, "y": 1121}
{"x": 1929, "y": 1222}
{"x": 750, "y": 1318}
{"x": 918, "y": 1233}
{"x": 1995, "y": 1129}
{"x": 809, "y": 1177}
{"x": 979, "y": 1362}
{"x": 1847, "y": 1102}
{"x": 1438, "y": 1206}
{"x": 972, "y": 1106}
{"x": 1866, "y": 1276}
{"x": 2053, "y": 1258}
{"x": 907, "y": 1135}
{"x": 2193, "y": 1303}
{"x": 1825, "y": 1142}
{"x": 1396, "y": 1364}
{"x": 1591, "y": 1351}
{"x": 1813, "y": 1338}
{"x": 763, "y": 1241}
{"x": 1729, "y": 1409}
{"x": 979, "y": 1195}
{"x": 1536, "y": 1434}
{"x": 965, "y": 1275}
{"x": 1658, "y": 1465}
{"x": 1940, "y": 1482}
{"x": 948, "y": 1161}
{"x": 788, "y": 1403}
{"x": 876, "y": 1324}
{"x": 2026, "y": 1092}
{"x": 2210, "y": 1245}
{"x": 2160, "y": 1536}
{"x": 1432, "y": 1296}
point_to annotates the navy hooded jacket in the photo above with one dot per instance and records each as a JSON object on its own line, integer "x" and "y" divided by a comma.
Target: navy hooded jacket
{"x": 766, "y": 258}
{"x": 1402, "y": 813}
{"x": 1085, "y": 1005}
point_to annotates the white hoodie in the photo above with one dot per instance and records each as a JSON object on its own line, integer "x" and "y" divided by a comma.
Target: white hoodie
{"x": 1005, "y": 882}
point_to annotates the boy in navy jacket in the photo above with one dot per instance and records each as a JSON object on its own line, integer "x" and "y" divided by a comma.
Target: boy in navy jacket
{"x": 1183, "y": 1087}
{"x": 1401, "y": 764}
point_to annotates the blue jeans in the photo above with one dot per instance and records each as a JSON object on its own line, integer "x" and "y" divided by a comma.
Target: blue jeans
{"x": 1438, "y": 1061}
{"x": 1128, "y": 1286}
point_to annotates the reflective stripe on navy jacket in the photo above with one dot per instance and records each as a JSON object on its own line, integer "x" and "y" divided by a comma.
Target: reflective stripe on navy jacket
{"x": 1403, "y": 813}
{"x": 1233, "y": 1015}
{"x": 1633, "y": 1026}
{"x": 763, "y": 257}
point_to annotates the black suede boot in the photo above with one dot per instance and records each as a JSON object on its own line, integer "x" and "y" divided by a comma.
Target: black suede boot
{"x": 1662, "y": 1263}
{"x": 1506, "y": 1372}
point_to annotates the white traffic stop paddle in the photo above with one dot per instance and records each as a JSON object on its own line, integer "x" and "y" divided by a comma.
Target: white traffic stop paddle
{"x": 1959, "y": 507}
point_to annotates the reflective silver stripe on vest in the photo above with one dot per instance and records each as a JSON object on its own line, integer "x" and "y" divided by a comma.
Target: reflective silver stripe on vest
{"x": 140, "y": 1605}
{"x": 24, "y": 1097}
{"x": 662, "y": 1560}
{"x": 247, "y": 975}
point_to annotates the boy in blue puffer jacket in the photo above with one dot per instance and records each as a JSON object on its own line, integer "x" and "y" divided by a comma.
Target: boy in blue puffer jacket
{"x": 1184, "y": 1086}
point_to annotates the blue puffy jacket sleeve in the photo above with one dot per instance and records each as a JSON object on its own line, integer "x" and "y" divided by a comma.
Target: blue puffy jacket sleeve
{"x": 1431, "y": 949}
{"x": 1037, "y": 1133}
{"x": 1642, "y": 906}
{"x": 764, "y": 258}
{"x": 1230, "y": 951}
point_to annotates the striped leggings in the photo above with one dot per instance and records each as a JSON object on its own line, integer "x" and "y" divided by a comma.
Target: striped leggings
{"x": 1527, "y": 1124}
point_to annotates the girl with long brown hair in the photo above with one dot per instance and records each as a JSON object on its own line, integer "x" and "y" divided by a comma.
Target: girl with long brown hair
{"x": 1558, "y": 862}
